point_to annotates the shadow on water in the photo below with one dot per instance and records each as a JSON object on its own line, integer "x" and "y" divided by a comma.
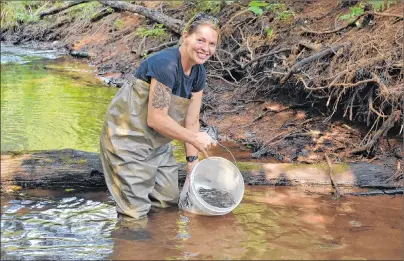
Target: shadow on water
{"x": 270, "y": 223}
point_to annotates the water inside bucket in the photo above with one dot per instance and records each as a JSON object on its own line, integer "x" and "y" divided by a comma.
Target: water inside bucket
{"x": 217, "y": 197}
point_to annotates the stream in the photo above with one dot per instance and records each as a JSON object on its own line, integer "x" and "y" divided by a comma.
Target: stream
{"x": 50, "y": 101}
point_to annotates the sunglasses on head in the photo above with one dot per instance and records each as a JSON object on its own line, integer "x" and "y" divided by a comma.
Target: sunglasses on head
{"x": 204, "y": 16}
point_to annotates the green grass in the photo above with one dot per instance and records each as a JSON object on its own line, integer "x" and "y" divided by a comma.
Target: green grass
{"x": 14, "y": 13}
{"x": 157, "y": 32}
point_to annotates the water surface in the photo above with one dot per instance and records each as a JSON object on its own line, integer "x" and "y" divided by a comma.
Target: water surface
{"x": 270, "y": 223}
{"x": 50, "y": 103}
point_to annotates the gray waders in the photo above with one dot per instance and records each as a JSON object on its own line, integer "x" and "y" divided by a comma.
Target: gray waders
{"x": 139, "y": 166}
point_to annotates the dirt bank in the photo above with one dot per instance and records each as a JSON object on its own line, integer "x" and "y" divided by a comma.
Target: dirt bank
{"x": 281, "y": 115}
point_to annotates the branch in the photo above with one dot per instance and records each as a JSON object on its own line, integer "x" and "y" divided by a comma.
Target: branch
{"x": 243, "y": 66}
{"x": 173, "y": 24}
{"x": 307, "y": 30}
{"x": 309, "y": 59}
{"x": 158, "y": 48}
{"x": 333, "y": 183}
{"x": 55, "y": 10}
{"x": 390, "y": 15}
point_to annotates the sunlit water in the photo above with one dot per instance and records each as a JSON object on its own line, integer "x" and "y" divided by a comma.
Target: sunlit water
{"x": 270, "y": 223}
{"x": 51, "y": 102}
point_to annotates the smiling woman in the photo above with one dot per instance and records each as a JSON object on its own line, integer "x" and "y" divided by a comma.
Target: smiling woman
{"x": 139, "y": 167}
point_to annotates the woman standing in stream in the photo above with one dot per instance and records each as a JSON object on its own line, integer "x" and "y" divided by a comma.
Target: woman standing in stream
{"x": 162, "y": 103}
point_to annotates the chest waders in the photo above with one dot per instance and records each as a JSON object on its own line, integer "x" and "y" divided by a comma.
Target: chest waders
{"x": 139, "y": 166}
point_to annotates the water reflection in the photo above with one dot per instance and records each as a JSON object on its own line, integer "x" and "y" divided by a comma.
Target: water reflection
{"x": 270, "y": 223}
{"x": 52, "y": 104}
{"x": 69, "y": 227}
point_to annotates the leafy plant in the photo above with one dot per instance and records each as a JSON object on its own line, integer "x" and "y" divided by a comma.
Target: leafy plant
{"x": 157, "y": 31}
{"x": 85, "y": 11}
{"x": 378, "y": 5}
{"x": 284, "y": 15}
{"x": 270, "y": 32}
{"x": 14, "y": 13}
{"x": 118, "y": 24}
{"x": 260, "y": 7}
{"x": 355, "y": 11}
{"x": 257, "y": 7}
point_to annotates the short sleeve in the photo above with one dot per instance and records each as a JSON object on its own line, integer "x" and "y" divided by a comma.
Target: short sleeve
{"x": 200, "y": 80}
{"x": 164, "y": 71}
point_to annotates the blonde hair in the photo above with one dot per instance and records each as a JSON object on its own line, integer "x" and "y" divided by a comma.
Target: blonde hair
{"x": 201, "y": 19}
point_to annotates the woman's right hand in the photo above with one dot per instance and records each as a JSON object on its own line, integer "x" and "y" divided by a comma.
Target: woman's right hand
{"x": 203, "y": 142}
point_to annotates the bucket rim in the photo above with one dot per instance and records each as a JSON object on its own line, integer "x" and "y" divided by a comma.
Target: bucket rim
{"x": 203, "y": 202}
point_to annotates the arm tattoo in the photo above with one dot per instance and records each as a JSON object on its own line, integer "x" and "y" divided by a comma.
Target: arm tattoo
{"x": 161, "y": 97}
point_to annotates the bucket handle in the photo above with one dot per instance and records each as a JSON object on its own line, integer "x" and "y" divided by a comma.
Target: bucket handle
{"x": 235, "y": 162}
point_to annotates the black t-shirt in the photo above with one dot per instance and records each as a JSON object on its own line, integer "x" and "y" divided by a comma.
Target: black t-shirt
{"x": 165, "y": 66}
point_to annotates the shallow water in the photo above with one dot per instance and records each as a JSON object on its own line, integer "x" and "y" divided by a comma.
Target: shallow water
{"x": 51, "y": 104}
{"x": 270, "y": 223}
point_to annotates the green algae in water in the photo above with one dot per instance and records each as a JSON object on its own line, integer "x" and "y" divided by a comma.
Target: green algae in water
{"x": 217, "y": 197}
{"x": 45, "y": 109}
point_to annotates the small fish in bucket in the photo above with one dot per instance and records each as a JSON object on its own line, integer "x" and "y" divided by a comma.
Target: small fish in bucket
{"x": 214, "y": 187}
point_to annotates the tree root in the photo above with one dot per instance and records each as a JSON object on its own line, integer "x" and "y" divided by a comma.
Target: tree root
{"x": 309, "y": 59}
{"x": 388, "y": 124}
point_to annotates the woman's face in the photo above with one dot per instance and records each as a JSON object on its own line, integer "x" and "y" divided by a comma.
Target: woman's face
{"x": 201, "y": 44}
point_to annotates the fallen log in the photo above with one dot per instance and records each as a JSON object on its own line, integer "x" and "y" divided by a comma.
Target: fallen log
{"x": 173, "y": 24}
{"x": 70, "y": 168}
{"x": 56, "y": 9}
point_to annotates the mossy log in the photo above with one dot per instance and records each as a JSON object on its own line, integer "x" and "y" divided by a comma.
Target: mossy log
{"x": 70, "y": 168}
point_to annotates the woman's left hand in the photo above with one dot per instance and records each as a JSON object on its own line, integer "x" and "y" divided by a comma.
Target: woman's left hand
{"x": 190, "y": 166}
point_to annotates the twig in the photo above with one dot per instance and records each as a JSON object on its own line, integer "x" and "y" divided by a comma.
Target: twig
{"x": 158, "y": 48}
{"x": 389, "y": 15}
{"x": 234, "y": 16}
{"x": 307, "y": 30}
{"x": 309, "y": 59}
{"x": 333, "y": 183}
{"x": 268, "y": 111}
{"x": 243, "y": 66}
{"x": 221, "y": 78}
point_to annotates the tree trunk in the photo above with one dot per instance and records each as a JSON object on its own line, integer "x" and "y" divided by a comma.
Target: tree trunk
{"x": 173, "y": 24}
{"x": 55, "y": 10}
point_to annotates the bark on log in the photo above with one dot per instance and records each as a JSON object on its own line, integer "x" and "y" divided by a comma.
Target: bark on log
{"x": 55, "y": 10}
{"x": 173, "y": 24}
{"x": 70, "y": 168}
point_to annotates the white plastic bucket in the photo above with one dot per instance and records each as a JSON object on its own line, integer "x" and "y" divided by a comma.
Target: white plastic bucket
{"x": 211, "y": 173}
